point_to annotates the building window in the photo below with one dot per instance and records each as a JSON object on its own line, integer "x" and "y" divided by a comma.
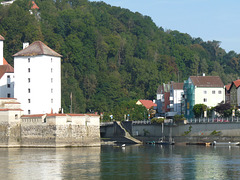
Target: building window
{"x": 205, "y": 100}
{"x": 51, "y": 100}
{"x": 51, "y": 90}
{"x": 8, "y": 85}
{"x": 29, "y": 70}
{"x": 29, "y": 80}
{"x": 213, "y": 92}
{"x": 204, "y": 92}
{"x": 29, "y": 90}
{"x": 8, "y": 76}
{"x": 29, "y": 111}
{"x": 51, "y": 70}
{"x": 29, "y": 100}
{"x": 51, "y": 80}
{"x": 51, "y": 60}
{"x": 8, "y": 95}
{"x": 219, "y": 92}
{"x": 29, "y": 60}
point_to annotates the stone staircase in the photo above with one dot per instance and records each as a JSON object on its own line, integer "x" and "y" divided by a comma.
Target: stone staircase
{"x": 127, "y": 135}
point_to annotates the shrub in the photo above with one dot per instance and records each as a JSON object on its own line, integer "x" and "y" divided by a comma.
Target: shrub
{"x": 179, "y": 118}
{"x": 157, "y": 120}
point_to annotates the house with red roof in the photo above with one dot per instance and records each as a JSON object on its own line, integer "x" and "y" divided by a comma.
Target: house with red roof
{"x": 34, "y": 5}
{"x": 6, "y": 75}
{"x": 148, "y": 104}
{"x": 234, "y": 92}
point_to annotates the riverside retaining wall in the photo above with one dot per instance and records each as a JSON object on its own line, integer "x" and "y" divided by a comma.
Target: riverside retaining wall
{"x": 18, "y": 135}
{"x": 193, "y": 132}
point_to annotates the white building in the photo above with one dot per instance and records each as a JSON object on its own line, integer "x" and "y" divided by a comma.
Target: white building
{"x": 208, "y": 90}
{"x": 5, "y": 3}
{"x": 176, "y": 91}
{"x": 6, "y": 75}
{"x": 38, "y": 79}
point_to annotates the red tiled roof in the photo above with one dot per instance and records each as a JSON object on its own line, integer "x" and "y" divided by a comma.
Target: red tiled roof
{"x": 4, "y": 61}
{"x": 1, "y": 38}
{"x": 34, "y": 5}
{"x": 147, "y": 103}
{"x": 32, "y": 115}
{"x": 227, "y": 86}
{"x": 37, "y": 48}
{"x": 207, "y": 81}
{"x": 6, "y": 69}
{"x": 237, "y": 83}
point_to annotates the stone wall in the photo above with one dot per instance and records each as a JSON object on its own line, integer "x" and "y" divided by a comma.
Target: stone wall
{"x": 30, "y": 135}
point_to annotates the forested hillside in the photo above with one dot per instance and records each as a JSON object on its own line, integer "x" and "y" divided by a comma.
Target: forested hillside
{"x": 111, "y": 56}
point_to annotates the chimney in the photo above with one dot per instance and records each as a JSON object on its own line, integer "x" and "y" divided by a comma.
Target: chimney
{"x": 25, "y": 44}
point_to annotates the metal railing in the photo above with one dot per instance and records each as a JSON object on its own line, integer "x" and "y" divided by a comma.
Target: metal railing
{"x": 142, "y": 122}
{"x": 214, "y": 120}
{"x": 106, "y": 123}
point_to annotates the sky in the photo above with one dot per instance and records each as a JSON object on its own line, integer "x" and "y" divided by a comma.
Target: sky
{"x": 208, "y": 19}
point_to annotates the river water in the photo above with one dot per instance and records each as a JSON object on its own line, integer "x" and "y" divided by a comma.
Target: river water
{"x": 131, "y": 162}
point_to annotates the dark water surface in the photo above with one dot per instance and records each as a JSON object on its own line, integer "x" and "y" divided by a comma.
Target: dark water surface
{"x": 131, "y": 162}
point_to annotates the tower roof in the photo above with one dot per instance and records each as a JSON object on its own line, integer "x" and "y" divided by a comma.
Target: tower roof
{"x": 1, "y": 38}
{"x": 37, "y": 48}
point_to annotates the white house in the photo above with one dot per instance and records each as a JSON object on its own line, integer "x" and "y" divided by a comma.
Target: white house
{"x": 6, "y": 75}
{"x": 208, "y": 90}
{"x": 37, "y": 70}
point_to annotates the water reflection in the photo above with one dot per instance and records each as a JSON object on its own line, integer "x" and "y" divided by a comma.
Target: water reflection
{"x": 49, "y": 163}
{"x": 131, "y": 162}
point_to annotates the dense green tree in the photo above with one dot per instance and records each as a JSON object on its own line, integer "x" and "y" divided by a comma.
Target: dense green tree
{"x": 198, "y": 110}
{"x": 111, "y": 56}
